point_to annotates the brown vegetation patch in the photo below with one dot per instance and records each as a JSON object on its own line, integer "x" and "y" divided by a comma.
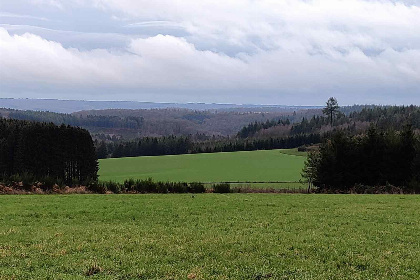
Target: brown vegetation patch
{"x": 18, "y": 188}
{"x": 267, "y": 190}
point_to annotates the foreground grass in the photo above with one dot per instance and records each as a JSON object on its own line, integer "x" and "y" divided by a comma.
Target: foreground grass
{"x": 261, "y": 166}
{"x": 210, "y": 236}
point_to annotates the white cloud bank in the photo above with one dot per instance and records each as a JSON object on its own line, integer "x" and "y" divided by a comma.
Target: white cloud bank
{"x": 237, "y": 51}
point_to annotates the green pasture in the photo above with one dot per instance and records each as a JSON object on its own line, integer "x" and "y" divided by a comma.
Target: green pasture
{"x": 210, "y": 236}
{"x": 293, "y": 152}
{"x": 254, "y": 166}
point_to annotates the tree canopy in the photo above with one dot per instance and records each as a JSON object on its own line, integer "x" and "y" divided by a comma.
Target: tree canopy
{"x": 376, "y": 158}
{"x": 331, "y": 109}
{"x": 44, "y": 149}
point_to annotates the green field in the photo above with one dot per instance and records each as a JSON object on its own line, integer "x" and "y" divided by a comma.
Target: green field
{"x": 294, "y": 152}
{"x": 210, "y": 236}
{"x": 255, "y": 166}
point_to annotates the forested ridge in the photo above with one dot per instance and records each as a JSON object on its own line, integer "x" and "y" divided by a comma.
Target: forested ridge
{"x": 131, "y": 124}
{"x": 87, "y": 121}
{"x": 384, "y": 117}
{"x": 45, "y": 151}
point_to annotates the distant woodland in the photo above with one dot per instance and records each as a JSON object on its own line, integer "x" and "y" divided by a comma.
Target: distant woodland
{"x": 131, "y": 124}
{"x": 391, "y": 117}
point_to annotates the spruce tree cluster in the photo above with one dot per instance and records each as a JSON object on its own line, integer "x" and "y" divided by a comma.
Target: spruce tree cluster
{"x": 43, "y": 150}
{"x": 377, "y": 158}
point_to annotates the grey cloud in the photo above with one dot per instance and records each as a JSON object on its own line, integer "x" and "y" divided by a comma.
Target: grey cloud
{"x": 294, "y": 52}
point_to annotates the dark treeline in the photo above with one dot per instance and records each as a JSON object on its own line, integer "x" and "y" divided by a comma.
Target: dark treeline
{"x": 377, "y": 158}
{"x": 131, "y": 122}
{"x": 173, "y": 145}
{"x": 252, "y": 144}
{"x": 41, "y": 150}
{"x": 147, "y": 146}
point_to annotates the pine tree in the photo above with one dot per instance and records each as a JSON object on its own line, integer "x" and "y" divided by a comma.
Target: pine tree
{"x": 331, "y": 109}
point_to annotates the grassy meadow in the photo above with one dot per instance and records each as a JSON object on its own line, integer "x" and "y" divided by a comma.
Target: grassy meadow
{"x": 210, "y": 236}
{"x": 253, "y": 166}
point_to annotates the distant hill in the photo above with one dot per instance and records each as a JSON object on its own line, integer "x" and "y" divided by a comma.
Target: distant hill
{"x": 129, "y": 124}
{"x": 71, "y": 106}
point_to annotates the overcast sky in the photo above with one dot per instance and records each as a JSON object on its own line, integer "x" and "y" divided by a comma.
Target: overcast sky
{"x": 293, "y": 52}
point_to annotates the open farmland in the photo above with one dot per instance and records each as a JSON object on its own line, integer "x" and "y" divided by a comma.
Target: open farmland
{"x": 210, "y": 236}
{"x": 255, "y": 166}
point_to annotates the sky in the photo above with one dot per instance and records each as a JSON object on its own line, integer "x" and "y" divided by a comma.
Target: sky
{"x": 289, "y": 52}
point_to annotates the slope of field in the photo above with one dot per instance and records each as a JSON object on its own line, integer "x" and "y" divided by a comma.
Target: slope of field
{"x": 210, "y": 236}
{"x": 294, "y": 152}
{"x": 262, "y": 166}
